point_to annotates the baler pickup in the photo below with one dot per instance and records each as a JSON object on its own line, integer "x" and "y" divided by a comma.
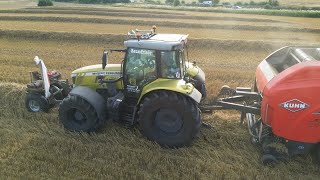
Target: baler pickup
{"x": 283, "y": 59}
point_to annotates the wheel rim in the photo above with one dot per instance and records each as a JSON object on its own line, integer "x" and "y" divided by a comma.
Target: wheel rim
{"x": 79, "y": 117}
{"x": 168, "y": 120}
{"x": 34, "y": 105}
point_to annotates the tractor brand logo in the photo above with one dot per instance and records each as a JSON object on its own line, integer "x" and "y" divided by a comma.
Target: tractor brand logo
{"x": 111, "y": 73}
{"x": 141, "y": 51}
{"x": 294, "y": 105}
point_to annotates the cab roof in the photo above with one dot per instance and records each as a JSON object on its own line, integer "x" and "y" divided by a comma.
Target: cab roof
{"x": 158, "y": 42}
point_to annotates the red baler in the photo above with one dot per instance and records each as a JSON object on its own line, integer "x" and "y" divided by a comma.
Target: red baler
{"x": 284, "y": 104}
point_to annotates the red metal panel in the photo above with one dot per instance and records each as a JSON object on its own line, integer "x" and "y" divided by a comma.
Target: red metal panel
{"x": 291, "y": 102}
{"x": 261, "y": 80}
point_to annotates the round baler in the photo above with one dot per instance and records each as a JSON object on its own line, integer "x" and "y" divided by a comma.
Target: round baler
{"x": 284, "y": 104}
{"x": 288, "y": 81}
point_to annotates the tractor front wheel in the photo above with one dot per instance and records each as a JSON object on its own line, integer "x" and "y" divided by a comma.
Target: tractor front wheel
{"x": 169, "y": 118}
{"x": 77, "y": 114}
{"x": 36, "y": 103}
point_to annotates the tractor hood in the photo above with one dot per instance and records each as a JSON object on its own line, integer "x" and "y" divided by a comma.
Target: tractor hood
{"x": 110, "y": 68}
{"x": 87, "y": 76}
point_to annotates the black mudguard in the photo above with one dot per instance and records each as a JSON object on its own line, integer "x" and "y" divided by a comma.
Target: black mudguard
{"x": 297, "y": 148}
{"x": 94, "y": 98}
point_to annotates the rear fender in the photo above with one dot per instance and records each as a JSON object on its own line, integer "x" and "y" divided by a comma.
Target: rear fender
{"x": 297, "y": 148}
{"x": 176, "y": 85}
{"x": 95, "y": 99}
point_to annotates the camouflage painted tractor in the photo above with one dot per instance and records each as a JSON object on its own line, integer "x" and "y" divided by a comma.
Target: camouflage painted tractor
{"x": 155, "y": 86}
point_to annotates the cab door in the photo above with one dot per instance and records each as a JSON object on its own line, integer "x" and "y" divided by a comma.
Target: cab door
{"x": 139, "y": 70}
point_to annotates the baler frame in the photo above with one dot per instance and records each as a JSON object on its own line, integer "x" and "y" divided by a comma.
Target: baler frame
{"x": 244, "y": 100}
{"x": 231, "y": 102}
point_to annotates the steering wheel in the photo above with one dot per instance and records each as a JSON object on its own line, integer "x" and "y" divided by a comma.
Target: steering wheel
{"x": 150, "y": 63}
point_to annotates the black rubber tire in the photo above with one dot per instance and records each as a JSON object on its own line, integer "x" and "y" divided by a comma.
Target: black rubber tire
{"x": 76, "y": 114}
{"x": 202, "y": 89}
{"x": 35, "y": 102}
{"x": 268, "y": 160}
{"x": 182, "y": 115}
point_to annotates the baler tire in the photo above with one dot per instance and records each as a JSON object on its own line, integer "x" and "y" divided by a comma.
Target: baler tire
{"x": 169, "y": 118}
{"x": 268, "y": 160}
{"x": 36, "y": 103}
{"x": 76, "y": 114}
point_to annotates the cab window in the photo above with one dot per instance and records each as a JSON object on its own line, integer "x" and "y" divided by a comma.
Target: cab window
{"x": 170, "y": 64}
{"x": 140, "y": 66}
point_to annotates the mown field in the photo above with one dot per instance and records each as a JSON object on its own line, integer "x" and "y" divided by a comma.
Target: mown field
{"x": 308, "y": 3}
{"x": 228, "y": 47}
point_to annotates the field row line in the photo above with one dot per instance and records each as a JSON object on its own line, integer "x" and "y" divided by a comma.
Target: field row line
{"x": 117, "y": 39}
{"x": 113, "y": 9}
{"x": 268, "y": 12}
{"x": 138, "y": 14}
{"x": 159, "y": 23}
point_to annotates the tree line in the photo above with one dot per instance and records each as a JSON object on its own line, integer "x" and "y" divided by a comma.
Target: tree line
{"x": 95, "y": 1}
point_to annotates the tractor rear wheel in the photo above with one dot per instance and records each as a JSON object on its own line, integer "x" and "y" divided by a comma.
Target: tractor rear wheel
{"x": 36, "y": 103}
{"x": 77, "y": 114}
{"x": 171, "y": 119}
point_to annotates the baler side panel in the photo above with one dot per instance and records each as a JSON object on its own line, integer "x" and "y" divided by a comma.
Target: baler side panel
{"x": 291, "y": 101}
{"x": 298, "y": 124}
{"x": 264, "y": 74}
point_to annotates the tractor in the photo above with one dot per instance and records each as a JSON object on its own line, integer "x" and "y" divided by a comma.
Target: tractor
{"x": 155, "y": 87}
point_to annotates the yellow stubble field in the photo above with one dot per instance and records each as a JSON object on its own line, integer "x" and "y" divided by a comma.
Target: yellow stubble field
{"x": 37, "y": 146}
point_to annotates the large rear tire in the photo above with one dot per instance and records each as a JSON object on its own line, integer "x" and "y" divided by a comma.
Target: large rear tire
{"x": 169, "y": 118}
{"x": 77, "y": 114}
{"x": 36, "y": 103}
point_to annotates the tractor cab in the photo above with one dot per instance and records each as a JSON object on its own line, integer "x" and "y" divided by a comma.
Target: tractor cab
{"x": 150, "y": 56}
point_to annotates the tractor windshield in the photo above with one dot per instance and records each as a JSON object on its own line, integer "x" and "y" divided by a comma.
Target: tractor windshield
{"x": 171, "y": 62}
{"x": 140, "y": 67}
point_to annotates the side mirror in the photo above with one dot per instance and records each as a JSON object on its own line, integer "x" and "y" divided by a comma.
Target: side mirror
{"x": 104, "y": 59}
